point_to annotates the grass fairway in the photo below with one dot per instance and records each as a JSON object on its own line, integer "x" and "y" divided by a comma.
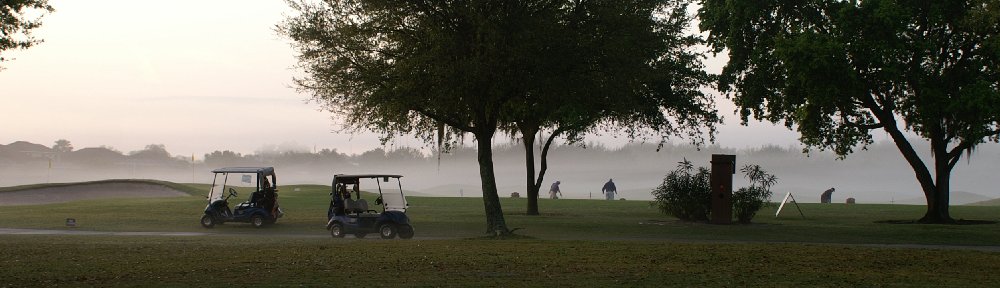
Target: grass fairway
{"x": 575, "y": 243}
{"x": 563, "y": 219}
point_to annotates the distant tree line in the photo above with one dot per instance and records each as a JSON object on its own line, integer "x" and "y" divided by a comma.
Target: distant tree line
{"x": 63, "y": 152}
{"x": 157, "y": 154}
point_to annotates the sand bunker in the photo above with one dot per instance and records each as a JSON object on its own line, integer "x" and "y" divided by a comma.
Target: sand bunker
{"x": 88, "y": 191}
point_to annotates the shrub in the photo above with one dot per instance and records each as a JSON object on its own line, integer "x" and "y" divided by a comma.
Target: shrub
{"x": 748, "y": 200}
{"x": 685, "y": 195}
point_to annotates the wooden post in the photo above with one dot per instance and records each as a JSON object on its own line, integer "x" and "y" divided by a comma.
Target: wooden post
{"x": 723, "y": 168}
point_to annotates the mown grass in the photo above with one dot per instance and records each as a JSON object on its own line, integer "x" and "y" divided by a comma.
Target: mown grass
{"x": 563, "y": 219}
{"x": 239, "y": 261}
{"x": 574, "y": 243}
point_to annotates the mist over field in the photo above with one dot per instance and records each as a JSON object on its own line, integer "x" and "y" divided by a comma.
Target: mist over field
{"x": 879, "y": 175}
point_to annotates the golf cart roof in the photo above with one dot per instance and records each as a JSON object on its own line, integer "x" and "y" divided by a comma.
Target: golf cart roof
{"x": 359, "y": 176}
{"x": 263, "y": 170}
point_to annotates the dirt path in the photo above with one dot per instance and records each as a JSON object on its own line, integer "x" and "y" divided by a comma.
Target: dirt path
{"x": 71, "y": 231}
{"x": 70, "y": 193}
{"x": 20, "y": 231}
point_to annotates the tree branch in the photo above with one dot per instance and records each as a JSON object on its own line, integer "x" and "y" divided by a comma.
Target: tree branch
{"x": 956, "y": 153}
{"x": 447, "y": 121}
{"x": 864, "y": 126}
{"x": 545, "y": 153}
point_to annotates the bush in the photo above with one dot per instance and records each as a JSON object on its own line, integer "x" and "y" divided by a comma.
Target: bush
{"x": 748, "y": 200}
{"x": 685, "y": 195}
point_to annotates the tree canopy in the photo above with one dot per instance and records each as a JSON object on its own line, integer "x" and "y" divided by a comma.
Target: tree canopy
{"x": 839, "y": 70}
{"x": 402, "y": 67}
{"x": 15, "y": 26}
{"x": 624, "y": 67}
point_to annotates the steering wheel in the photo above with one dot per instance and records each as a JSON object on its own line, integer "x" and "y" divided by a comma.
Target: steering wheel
{"x": 232, "y": 192}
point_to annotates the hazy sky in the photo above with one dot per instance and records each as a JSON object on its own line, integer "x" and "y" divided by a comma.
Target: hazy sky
{"x": 196, "y": 76}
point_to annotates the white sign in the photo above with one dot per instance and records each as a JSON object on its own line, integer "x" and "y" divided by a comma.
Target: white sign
{"x": 789, "y": 196}
{"x": 782, "y": 204}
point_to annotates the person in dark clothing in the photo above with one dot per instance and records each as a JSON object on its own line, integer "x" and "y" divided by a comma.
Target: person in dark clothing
{"x": 827, "y": 196}
{"x": 609, "y": 190}
{"x": 338, "y": 200}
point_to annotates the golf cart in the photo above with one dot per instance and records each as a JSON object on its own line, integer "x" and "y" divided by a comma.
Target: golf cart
{"x": 260, "y": 209}
{"x": 349, "y": 211}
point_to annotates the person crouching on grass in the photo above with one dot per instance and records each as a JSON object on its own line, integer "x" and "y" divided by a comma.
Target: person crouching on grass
{"x": 554, "y": 190}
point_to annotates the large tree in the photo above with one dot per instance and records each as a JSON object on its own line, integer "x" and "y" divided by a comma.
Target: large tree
{"x": 401, "y": 67}
{"x": 838, "y": 71}
{"x": 612, "y": 66}
{"x": 15, "y": 26}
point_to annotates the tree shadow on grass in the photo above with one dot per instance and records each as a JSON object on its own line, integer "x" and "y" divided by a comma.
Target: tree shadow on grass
{"x": 957, "y": 222}
{"x": 538, "y": 215}
{"x": 678, "y": 222}
{"x": 511, "y": 236}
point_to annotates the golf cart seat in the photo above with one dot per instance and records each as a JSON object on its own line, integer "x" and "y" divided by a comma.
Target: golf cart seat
{"x": 361, "y": 206}
{"x": 349, "y": 205}
{"x": 256, "y": 198}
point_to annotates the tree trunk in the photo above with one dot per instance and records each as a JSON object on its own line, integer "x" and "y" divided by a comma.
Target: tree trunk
{"x": 937, "y": 207}
{"x": 939, "y": 199}
{"x": 495, "y": 224}
{"x": 936, "y": 191}
{"x": 535, "y": 185}
{"x": 529, "y": 163}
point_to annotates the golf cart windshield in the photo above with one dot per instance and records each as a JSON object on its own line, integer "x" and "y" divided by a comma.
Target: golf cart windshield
{"x": 392, "y": 196}
{"x": 243, "y": 180}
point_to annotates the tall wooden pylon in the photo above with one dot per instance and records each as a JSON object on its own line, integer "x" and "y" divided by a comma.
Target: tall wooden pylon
{"x": 723, "y": 168}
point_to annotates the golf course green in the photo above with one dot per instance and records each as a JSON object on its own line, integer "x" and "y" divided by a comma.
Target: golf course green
{"x": 573, "y": 243}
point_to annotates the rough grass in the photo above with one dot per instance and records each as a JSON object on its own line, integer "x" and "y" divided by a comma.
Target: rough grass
{"x": 281, "y": 261}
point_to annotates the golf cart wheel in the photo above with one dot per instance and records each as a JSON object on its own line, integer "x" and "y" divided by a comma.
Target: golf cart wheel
{"x": 405, "y": 231}
{"x": 207, "y": 221}
{"x": 257, "y": 221}
{"x": 337, "y": 230}
{"x": 387, "y": 230}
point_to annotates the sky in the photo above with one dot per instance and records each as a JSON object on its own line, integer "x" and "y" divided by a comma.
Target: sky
{"x": 196, "y": 76}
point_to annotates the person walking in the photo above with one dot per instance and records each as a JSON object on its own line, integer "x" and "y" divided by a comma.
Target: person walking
{"x": 609, "y": 190}
{"x": 554, "y": 190}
